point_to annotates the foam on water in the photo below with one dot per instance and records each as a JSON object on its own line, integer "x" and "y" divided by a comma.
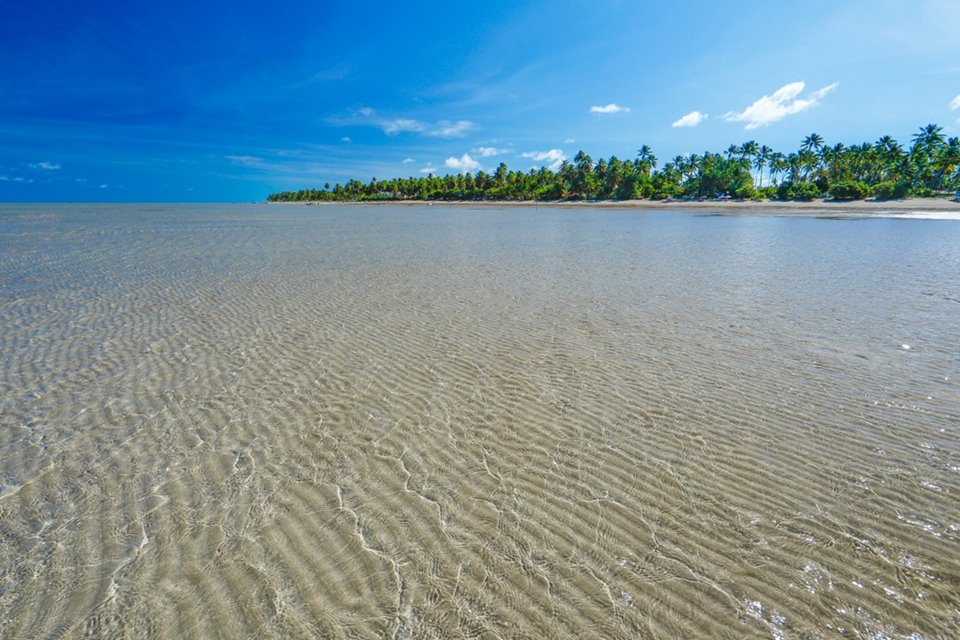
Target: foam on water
{"x": 923, "y": 215}
{"x": 411, "y": 422}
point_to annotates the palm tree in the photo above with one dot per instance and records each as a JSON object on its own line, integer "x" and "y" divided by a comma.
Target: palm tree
{"x": 760, "y": 160}
{"x": 926, "y": 146}
{"x": 612, "y": 177}
{"x": 748, "y": 150}
{"x": 930, "y": 137}
{"x": 600, "y": 176}
{"x": 778, "y": 164}
{"x": 813, "y": 142}
{"x": 891, "y": 153}
{"x": 646, "y": 161}
{"x": 947, "y": 158}
{"x": 567, "y": 175}
{"x": 808, "y": 161}
{"x": 501, "y": 175}
{"x": 681, "y": 168}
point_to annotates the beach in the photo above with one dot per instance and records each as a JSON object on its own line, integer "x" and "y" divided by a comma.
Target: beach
{"x": 478, "y": 421}
{"x": 935, "y": 207}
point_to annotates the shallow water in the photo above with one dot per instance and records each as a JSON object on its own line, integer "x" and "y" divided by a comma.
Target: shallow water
{"x": 365, "y": 422}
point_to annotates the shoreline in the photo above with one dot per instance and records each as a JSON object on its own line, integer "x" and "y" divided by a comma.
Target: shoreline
{"x": 815, "y": 208}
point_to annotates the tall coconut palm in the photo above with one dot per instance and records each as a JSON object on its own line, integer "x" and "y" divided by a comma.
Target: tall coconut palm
{"x": 778, "y": 164}
{"x": 646, "y": 161}
{"x": 813, "y": 142}
{"x": 890, "y": 153}
{"x": 946, "y": 159}
{"x": 808, "y": 161}
{"x": 680, "y": 167}
{"x": 930, "y": 137}
{"x": 926, "y": 146}
{"x": 760, "y": 160}
{"x": 746, "y": 151}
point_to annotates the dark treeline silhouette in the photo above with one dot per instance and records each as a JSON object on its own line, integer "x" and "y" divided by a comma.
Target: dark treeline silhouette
{"x": 884, "y": 169}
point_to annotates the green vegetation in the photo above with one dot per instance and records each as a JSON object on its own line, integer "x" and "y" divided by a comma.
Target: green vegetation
{"x": 884, "y": 170}
{"x": 849, "y": 190}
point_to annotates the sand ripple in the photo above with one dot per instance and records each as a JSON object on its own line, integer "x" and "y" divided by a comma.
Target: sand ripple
{"x": 289, "y": 422}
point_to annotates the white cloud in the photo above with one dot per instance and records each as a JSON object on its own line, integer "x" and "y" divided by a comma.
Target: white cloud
{"x": 610, "y": 108}
{"x": 399, "y": 125}
{"x": 569, "y": 141}
{"x": 428, "y": 169}
{"x": 408, "y": 160}
{"x": 955, "y": 103}
{"x": 463, "y": 163}
{"x": 394, "y": 126}
{"x": 554, "y": 156}
{"x": 46, "y": 166}
{"x": 104, "y": 186}
{"x": 782, "y": 103}
{"x": 442, "y": 129}
{"x": 448, "y": 129}
{"x": 14, "y": 179}
{"x": 692, "y": 119}
{"x": 489, "y": 152}
{"x": 346, "y": 139}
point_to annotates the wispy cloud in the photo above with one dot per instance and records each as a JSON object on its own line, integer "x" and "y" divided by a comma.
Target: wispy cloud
{"x": 408, "y": 160}
{"x": 447, "y": 129}
{"x": 428, "y": 169}
{"x": 324, "y": 75}
{"x": 346, "y": 139}
{"x": 46, "y": 166}
{"x": 782, "y": 103}
{"x": 247, "y": 161}
{"x": 569, "y": 141}
{"x": 104, "y": 186}
{"x": 395, "y": 126}
{"x": 692, "y": 119}
{"x": 490, "y": 152}
{"x": 400, "y": 125}
{"x": 14, "y": 179}
{"x": 554, "y": 156}
{"x": 610, "y": 108}
{"x": 463, "y": 163}
{"x": 955, "y": 103}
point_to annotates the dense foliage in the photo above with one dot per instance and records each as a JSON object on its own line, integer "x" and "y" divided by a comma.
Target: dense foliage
{"x": 884, "y": 169}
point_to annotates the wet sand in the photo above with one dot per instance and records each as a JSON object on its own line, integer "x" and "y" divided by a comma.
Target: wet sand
{"x": 817, "y": 208}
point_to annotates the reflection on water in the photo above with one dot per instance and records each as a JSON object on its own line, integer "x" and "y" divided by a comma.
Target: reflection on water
{"x": 255, "y": 421}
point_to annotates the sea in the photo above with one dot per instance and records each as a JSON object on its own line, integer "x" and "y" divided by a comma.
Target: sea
{"x": 281, "y": 421}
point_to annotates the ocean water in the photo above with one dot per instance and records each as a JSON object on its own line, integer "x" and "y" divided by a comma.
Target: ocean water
{"x": 265, "y": 421}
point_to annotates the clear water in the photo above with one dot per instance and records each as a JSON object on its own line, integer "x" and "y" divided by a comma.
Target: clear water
{"x": 427, "y": 422}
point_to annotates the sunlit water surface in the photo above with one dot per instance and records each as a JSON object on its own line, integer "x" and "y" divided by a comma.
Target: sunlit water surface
{"x": 422, "y": 422}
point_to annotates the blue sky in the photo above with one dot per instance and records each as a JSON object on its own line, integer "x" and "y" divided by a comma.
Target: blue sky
{"x": 187, "y": 101}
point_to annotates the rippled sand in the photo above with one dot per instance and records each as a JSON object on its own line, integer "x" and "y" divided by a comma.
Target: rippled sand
{"x": 432, "y": 423}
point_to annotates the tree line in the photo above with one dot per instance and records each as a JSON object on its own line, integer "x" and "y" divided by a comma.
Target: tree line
{"x": 884, "y": 169}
